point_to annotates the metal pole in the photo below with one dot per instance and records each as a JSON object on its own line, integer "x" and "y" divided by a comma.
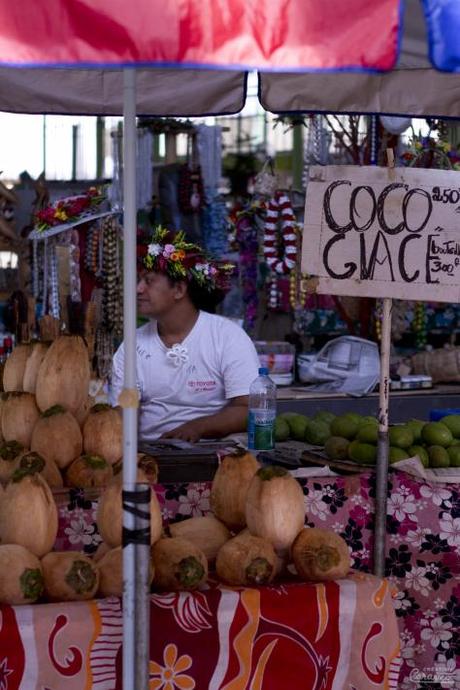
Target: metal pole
{"x": 143, "y": 492}
{"x": 382, "y": 447}
{"x": 130, "y": 393}
{"x": 100, "y": 147}
{"x": 74, "y": 151}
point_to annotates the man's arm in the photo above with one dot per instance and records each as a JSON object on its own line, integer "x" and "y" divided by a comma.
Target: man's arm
{"x": 230, "y": 420}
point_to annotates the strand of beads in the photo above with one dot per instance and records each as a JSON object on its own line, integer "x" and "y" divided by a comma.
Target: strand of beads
{"x": 419, "y": 325}
{"x": 378, "y": 317}
{"x": 54, "y": 282}
{"x": 110, "y": 275}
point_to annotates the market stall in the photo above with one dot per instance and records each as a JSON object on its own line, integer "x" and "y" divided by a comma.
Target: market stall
{"x": 130, "y": 414}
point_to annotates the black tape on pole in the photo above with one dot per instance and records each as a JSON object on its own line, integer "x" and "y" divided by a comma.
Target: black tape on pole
{"x": 132, "y": 500}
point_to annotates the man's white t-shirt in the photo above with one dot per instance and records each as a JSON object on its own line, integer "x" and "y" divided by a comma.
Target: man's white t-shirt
{"x": 217, "y": 361}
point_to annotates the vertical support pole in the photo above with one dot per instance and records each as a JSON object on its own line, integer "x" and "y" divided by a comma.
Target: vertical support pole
{"x": 381, "y": 490}
{"x": 129, "y": 406}
{"x": 297, "y": 155}
{"x": 100, "y": 147}
{"x": 74, "y": 151}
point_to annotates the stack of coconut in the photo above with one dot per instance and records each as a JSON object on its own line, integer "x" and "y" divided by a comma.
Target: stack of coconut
{"x": 256, "y": 532}
{"x": 46, "y": 417}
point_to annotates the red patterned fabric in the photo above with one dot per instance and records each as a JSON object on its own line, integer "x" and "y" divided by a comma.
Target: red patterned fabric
{"x": 321, "y": 637}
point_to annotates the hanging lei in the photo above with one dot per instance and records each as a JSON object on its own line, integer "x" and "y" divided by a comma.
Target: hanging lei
{"x": 54, "y": 282}
{"x": 246, "y": 235}
{"x": 111, "y": 306}
{"x": 419, "y": 325}
{"x": 280, "y": 205}
{"x": 93, "y": 251}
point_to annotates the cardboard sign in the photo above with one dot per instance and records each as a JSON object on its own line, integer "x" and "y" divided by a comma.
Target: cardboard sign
{"x": 383, "y": 232}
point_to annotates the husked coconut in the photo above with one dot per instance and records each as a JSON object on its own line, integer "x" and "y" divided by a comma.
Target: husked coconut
{"x": 149, "y": 465}
{"x": 64, "y": 374}
{"x": 320, "y": 554}
{"x": 230, "y": 486}
{"x": 178, "y": 565}
{"x": 9, "y": 452}
{"x": 89, "y": 471}
{"x": 33, "y": 463}
{"x": 34, "y": 360}
{"x": 57, "y": 436}
{"x": 109, "y": 512}
{"x": 13, "y": 372}
{"x": 101, "y": 550}
{"x": 247, "y": 561}
{"x": 275, "y": 508}
{"x": 111, "y": 573}
{"x": 28, "y": 514}
{"x": 21, "y": 577}
{"x": 103, "y": 432}
{"x": 83, "y": 411}
{"x": 19, "y": 416}
{"x": 69, "y": 576}
{"x": 207, "y": 533}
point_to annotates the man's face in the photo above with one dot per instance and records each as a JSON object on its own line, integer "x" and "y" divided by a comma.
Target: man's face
{"x": 156, "y": 295}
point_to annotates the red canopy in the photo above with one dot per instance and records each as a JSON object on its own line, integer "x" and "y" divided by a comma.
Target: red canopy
{"x": 267, "y": 34}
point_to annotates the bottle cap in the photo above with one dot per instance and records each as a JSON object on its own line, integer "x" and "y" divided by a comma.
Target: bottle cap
{"x": 263, "y": 371}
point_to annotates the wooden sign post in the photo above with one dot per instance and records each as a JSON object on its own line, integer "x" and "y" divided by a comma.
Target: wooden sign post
{"x": 384, "y": 233}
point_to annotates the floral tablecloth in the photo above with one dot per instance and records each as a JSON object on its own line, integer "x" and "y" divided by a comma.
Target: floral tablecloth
{"x": 423, "y": 554}
{"x": 317, "y": 636}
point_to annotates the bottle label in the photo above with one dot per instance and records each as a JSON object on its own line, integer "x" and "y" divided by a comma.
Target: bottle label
{"x": 261, "y": 429}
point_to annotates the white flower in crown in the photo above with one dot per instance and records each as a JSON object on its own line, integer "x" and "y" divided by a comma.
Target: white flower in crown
{"x": 154, "y": 249}
{"x": 203, "y": 268}
{"x": 178, "y": 355}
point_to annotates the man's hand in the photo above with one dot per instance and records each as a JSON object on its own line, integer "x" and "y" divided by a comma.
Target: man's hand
{"x": 190, "y": 431}
{"x": 230, "y": 420}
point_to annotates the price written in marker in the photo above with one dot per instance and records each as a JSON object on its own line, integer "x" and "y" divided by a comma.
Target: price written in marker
{"x": 378, "y": 233}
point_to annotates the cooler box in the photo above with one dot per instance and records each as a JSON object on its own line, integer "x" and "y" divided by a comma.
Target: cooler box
{"x": 279, "y": 359}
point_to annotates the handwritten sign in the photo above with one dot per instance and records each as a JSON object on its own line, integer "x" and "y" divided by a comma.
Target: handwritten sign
{"x": 383, "y": 232}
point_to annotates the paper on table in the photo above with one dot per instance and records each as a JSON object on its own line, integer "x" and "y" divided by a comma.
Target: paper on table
{"x": 414, "y": 466}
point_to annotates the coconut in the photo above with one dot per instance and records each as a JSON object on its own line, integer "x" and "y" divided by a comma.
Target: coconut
{"x": 230, "y": 486}
{"x": 33, "y": 463}
{"x": 178, "y": 565}
{"x": 69, "y": 576}
{"x": 275, "y": 508}
{"x": 101, "y": 550}
{"x": 21, "y": 577}
{"x": 64, "y": 374}
{"x": 207, "y": 533}
{"x": 19, "y": 416}
{"x": 33, "y": 363}
{"x": 247, "y": 561}
{"x": 103, "y": 432}
{"x": 109, "y": 512}
{"x": 83, "y": 411}
{"x": 89, "y": 471}
{"x": 28, "y": 514}
{"x": 13, "y": 373}
{"x": 57, "y": 436}
{"x": 149, "y": 465}
{"x": 111, "y": 573}
{"x": 9, "y": 452}
{"x": 320, "y": 554}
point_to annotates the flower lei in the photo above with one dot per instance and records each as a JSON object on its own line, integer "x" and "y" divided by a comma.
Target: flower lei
{"x": 182, "y": 260}
{"x": 67, "y": 210}
{"x": 283, "y": 262}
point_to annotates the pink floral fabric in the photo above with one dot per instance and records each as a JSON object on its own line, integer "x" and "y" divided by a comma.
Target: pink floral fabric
{"x": 423, "y": 554}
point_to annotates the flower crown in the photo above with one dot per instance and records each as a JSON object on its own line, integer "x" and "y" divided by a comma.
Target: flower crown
{"x": 68, "y": 210}
{"x": 181, "y": 260}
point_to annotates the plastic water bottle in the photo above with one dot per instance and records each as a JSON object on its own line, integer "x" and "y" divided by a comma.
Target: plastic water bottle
{"x": 262, "y": 412}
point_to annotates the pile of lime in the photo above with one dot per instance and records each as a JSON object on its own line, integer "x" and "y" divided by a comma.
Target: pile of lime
{"x": 352, "y": 436}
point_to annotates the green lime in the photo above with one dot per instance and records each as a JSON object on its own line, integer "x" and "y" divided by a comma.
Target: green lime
{"x": 281, "y": 429}
{"x": 336, "y": 448}
{"x": 422, "y": 454}
{"x": 437, "y": 434}
{"x": 368, "y": 433}
{"x": 416, "y": 426}
{"x": 400, "y": 436}
{"x": 316, "y": 432}
{"x": 362, "y": 453}
{"x": 452, "y": 422}
{"x": 395, "y": 454}
{"x": 324, "y": 416}
{"x": 344, "y": 426}
{"x": 454, "y": 456}
{"x": 439, "y": 456}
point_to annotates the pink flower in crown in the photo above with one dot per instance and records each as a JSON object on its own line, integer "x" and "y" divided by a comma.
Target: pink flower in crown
{"x": 168, "y": 250}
